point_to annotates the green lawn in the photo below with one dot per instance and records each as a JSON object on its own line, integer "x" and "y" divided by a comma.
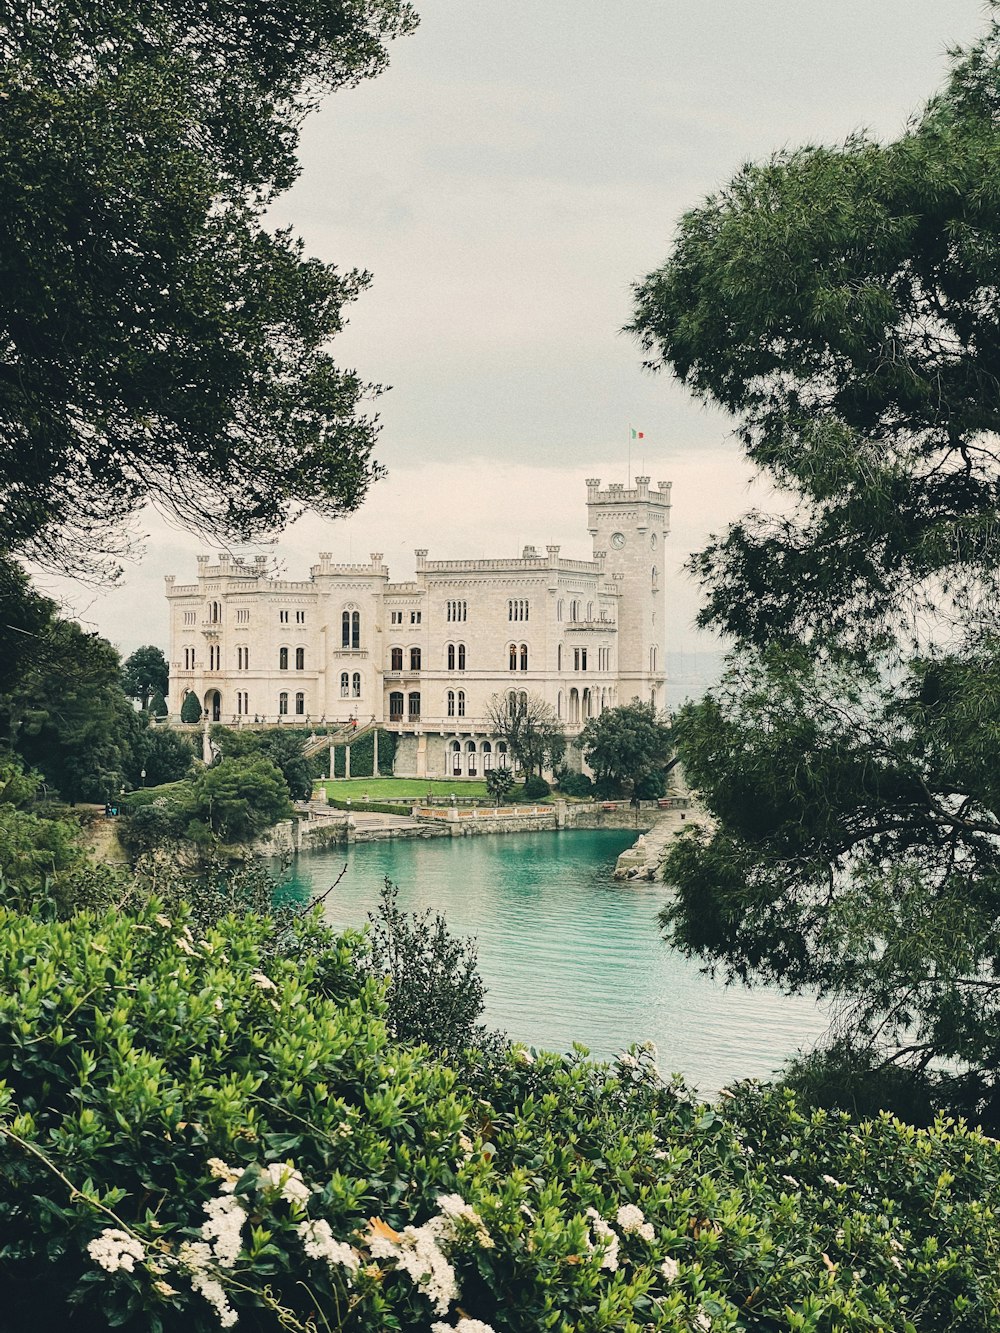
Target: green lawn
{"x": 388, "y": 789}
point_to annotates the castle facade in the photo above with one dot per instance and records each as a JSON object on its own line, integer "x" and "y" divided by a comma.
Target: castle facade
{"x": 424, "y": 658}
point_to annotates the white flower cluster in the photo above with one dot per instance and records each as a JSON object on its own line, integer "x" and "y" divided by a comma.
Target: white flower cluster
{"x": 632, "y": 1222}
{"x": 227, "y": 1174}
{"x": 454, "y": 1209}
{"x": 224, "y": 1229}
{"x": 602, "y": 1232}
{"x": 463, "y": 1326}
{"x": 284, "y": 1178}
{"x": 114, "y": 1249}
{"x": 318, "y": 1243}
{"x": 418, "y": 1254}
{"x": 196, "y": 1258}
{"x": 670, "y": 1269}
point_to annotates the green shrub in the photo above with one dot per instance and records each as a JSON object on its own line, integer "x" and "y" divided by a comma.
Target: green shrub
{"x": 362, "y": 754}
{"x": 191, "y": 709}
{"x": 239, "y": 1117}
{"x": 535, "y": 788}
{"x": 574, "y": 784}
{"x": 435, "y": 993}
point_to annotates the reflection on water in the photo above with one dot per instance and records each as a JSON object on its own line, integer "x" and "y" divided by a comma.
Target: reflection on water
{"x": 568, "y": 954}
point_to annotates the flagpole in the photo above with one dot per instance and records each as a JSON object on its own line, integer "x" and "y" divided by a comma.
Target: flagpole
{"x": 628, "y": 466}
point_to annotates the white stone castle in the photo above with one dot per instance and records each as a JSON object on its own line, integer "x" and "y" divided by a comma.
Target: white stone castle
{"x": 424, "y": 658}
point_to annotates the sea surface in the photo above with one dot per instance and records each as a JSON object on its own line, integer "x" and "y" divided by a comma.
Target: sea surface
{"x": 567, "y": 953}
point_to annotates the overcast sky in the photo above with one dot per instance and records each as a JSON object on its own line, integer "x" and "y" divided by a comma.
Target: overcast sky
{"x": 518, "y": 166}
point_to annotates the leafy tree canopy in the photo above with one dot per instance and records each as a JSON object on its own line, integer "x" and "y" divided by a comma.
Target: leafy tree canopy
{"x": 283, "y": 748}
{"x": 624, "y": 745}
{"x": 842, "y": 304}
{"x": 156, "y": 340}
{"x": 66, "y": 715}
{"x": 145, "y": 673}
{"x": 239, "y": 798}
{"x": 529, "y": 725}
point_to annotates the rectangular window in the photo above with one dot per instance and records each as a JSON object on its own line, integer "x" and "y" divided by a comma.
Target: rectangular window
{"x": 300, "y": 617}
{"x": 579, "y": 659}
{"x": 395, "y": 617}
{"x": 415, "y": 617}
{"x": 282, "y": 617}
{"x": 243, "y": 617}
{"x": 189, "y": 617}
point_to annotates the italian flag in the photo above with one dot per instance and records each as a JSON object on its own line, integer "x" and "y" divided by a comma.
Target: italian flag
{"x": 637, "y": 434}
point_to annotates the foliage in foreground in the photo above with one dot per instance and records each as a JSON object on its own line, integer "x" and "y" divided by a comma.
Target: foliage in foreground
{"x": 159, "y": 342}
{"x": 194, "y": 1135}
{"x": 841, "y": 303}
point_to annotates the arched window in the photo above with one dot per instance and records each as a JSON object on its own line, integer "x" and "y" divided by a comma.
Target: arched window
{"x": 559, "y": 658}
{"x": 414, "y": 659}
{"x": 345, "y": 630}
{"x": 590, "y": 610}
{"x": 501, "y": 754}
{"x": 470, "y": 758}
{"x": 574, "y": 705}
{"x": 283, "y": 703}
{"x": 451, "y": 657}
{"x": 559, "y": 609}
{"x": 413, "y": 706}
{"x": 524, "y": 657}
{"x": 216, "y": 613}
{"x": 300, "y": 704}
{"x": 487, "y": 752}
{"x": 396, "y": 706}
{"x": 355, "y": 629}
{"x": 300, "y": 659}
{"x": 461, "y": 657}
{"x": 522, "y": 701}
{"x": 512, "y": 704}
{"x": 345, "y": 685}
{"x": 512, "y": 656}
{"x": 574, "y": 609}
{"x": 396, "y": 659}
{"x": 282, "y": 659}
{"x": 456, "y": 759}
{"x": 652, "y": 658}
{"x": 451, "y": 703}
{"x": 559, "y": 704}
{"x": 461, "y": 703}
{"x": 356, "y": 685}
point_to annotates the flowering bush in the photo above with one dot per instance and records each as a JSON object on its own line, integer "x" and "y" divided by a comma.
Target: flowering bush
{"x": 196, "y": 1133}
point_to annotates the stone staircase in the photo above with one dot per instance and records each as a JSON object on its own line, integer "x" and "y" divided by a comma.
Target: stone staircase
{"x": 345, "y": 735}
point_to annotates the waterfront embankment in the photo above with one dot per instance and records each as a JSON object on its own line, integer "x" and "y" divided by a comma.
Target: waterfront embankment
{"x": 320, "y": 827}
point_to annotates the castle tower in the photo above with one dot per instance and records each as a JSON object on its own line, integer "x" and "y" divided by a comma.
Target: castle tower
{"x": 629, "y": 530}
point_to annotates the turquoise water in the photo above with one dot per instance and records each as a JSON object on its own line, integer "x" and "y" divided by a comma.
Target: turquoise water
{"x": 567, "y": 953}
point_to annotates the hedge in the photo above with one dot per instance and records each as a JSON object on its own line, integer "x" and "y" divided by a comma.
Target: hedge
{"x": 361, "y": 755}
{"x": 195, "y": 1134}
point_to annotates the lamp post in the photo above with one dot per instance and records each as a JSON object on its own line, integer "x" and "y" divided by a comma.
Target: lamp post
{"x": 142, "y": 776}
